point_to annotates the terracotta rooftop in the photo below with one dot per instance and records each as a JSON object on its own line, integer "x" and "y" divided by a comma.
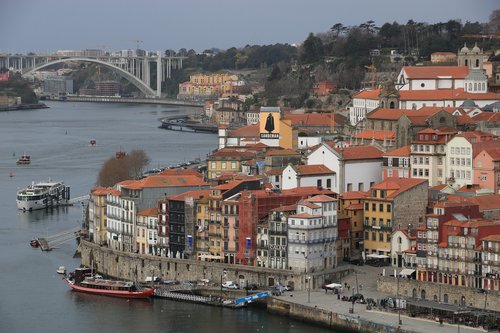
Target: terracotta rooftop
{"x": 403, "y": 151}
{"x": 359, "y": 152}
{"x": 478, "y": 147}
{"x": 352, "y": 195}
{"x": 397, "y": 185}
{"x": 321, "y": 198}
{"x": 493, "y": 152}
{"x": 195, "y": 194}
{"x": 286, "y": 208}
{"x": 485, "y": 202}
{"x": 159, "y": 181}
{"x": 281, "y": 152}
{"x": 274, "y": 172}
{"x": 149, "y": 212}
{"x": 356, "y": 206}
{"x": 315, "y": 169}
{"x": 445, "y": 94}
{"x": 487, "y": 117}
{"x": 377, "y": 135}
{"x": 492, "y": 238}
{"x": 474, "y": 223}
{"x": 104, "y": 191}
{"x": 438, "y": 187}
{"x": 246, "y": 131}
{"x": 309, "y": 119}
{"x": 436, "y": 72}
{"x": 368, "y": 94}
{"x": 308, "y": 204}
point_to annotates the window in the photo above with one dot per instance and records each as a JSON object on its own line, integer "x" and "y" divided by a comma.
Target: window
{"x": 212, "y": 165}
{"x": 318, "y": 183}
{"x": 374, "y": 236}
{"x": 328, "y": 183}
{"x": 223, "y": 165}
{"x": 233, "y": 165}
{"x": 349, "y": 187}
{"x": 388, "y": 208}
{"x": 414, "y": 172}
{"x": 381, "y": 207}
{"x": 367, "y": 206}
{"x": 389, "y": 173}
{"x": 381, "y": 237}
{"x": 367, "y": 235}
{"x": 374, "y": 207}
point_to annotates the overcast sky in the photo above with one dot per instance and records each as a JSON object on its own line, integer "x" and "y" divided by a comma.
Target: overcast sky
{"x": 49, "y": 25}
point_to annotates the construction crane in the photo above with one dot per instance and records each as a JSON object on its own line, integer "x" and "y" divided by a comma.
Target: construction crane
{"x": 138, "y": 41}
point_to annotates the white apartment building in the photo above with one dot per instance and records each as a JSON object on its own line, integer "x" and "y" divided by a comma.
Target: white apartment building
{"x": 312, "y": 235}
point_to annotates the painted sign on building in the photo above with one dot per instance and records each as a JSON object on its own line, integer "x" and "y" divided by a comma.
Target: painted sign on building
{"x": 269, "y": 123}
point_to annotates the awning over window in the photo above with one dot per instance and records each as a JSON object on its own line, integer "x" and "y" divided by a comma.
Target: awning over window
{"x": 406, "y": 272}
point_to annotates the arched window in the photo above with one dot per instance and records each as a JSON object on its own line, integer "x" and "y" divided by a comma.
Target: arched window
{"x": 414, "y": 293}
{"x": 466, "y": 62}
{"x": 477, "y": 62}
{"x": 422, "y": 294}
{"x": 462, "y": 301}
{"x": 470, "y": 86}
{"x": 435, "y": 298}
{"x": 392, "y": 106}
{"x": 445, "y": 298}
{"x": 475, "y": 86}
{"x": 383, "y": 104}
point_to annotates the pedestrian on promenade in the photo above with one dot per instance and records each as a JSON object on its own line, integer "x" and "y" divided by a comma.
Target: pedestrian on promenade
{"x": 348, "y": 287}
{"x": 360, "y": 287}
{"x": 345, "y": 284}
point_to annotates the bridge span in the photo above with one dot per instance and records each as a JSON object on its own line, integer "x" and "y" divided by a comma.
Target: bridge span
{"x": 136, "y": 69}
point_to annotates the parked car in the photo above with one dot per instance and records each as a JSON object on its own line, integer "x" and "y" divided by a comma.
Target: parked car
{"x": 155, "y": 279}
{"x": 230, "y": 285}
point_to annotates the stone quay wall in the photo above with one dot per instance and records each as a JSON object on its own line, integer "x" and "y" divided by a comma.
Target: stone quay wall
{"x": 336, "y": 321}
{"x": 131, "y": 266}
{"x": 441, "y": 292}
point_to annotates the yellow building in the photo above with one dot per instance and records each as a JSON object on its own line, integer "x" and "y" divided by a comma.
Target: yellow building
{"x": 227, "y": 160}
{"x": 141, "y": 235}
{"x": 97, "y": 213}
{"x": 202, "y": 221}
{"x": 207, "y": 85}
{"x": 391, "y": 204}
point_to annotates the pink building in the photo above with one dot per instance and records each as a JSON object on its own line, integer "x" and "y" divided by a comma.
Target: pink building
{"x": 486, "y": 169}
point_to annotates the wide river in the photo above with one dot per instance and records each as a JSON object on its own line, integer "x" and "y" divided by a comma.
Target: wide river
{"x": 33, "y": 298}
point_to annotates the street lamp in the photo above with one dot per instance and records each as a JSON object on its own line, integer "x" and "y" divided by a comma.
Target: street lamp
{"x": 308, "y": 280}
{"x": 222, "y": 274}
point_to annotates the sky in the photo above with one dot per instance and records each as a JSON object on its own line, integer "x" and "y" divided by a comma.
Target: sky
{"x": 43, "y": 26}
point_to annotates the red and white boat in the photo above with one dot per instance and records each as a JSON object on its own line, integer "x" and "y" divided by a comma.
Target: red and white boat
{"x": 82, "y": 280}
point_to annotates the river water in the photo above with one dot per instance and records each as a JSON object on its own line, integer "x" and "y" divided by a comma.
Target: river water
{"x": 33, "y": 298}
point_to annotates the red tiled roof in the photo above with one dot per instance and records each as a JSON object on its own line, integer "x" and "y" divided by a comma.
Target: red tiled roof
{"x": 494, "y": 153}
{"x": 403, "y": 151}
{"x": 487, "y": 116}
{"x": 149, "y": 212}
{"x": 438, "y": 187}
{"x": 492, "y": 238}
{"x": 377, "y": 135}
{"x": 195, "y": 194}
{"x": 359, "y": 152}
{"x": 321, "y": 198}
{"x": 315, "y": 169}
{"x": 159, "y": 181}
{"x": 474, "y": 223}
{"x": 285, "y": 208}
{"x": 274, "y": 172}
{"x": 445, "y": 94}
{"x": 240, "y": 153}
{"x": 352, "y": 195}
{"x": 309, "y": 119}
{"x": 357, "y": 206}
{"x": 281, "y": 152}
{"x": 368, "y": 94}
{"x": 478, "y": 147}
{"x": 308, "y": 204}
{"x": 436, "y": 72}
{"x": 398, "y": 185}
{"x": 104, "y": 191}
{"x": 246, "y": 131}
{"x": 485, "y": 202}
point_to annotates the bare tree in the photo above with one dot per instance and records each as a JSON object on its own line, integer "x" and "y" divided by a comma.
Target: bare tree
{"x": 115, "y": 170}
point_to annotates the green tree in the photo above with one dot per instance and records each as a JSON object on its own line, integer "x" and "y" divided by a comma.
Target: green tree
{"x": 312, "y": 49}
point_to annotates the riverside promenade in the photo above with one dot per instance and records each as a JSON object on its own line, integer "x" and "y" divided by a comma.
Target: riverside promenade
{"x": 367, "y": 279}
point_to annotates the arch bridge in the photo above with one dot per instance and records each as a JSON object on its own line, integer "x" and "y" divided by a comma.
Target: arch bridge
{"x": 135, "y": 69}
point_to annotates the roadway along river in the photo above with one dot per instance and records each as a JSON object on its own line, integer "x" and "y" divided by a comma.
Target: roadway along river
{"x": 33, "y": 297}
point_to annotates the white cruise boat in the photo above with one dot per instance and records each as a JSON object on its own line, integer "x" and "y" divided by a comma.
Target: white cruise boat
{"x": 41, "y": 195}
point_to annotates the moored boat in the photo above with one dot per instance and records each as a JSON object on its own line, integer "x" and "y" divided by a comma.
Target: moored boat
{"x": 61, "y": 270}
{"x": 34, "y": 243}
{"x": 24, "y": 159}
{"x": 42, "y": 195}
{"x": 83, "y": 280}
{"x": 92, "y": 142}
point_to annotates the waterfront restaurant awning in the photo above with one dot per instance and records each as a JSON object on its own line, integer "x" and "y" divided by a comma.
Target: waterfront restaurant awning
{"x": 333, "y": 285}
{"x": 377, "y": 256}
{"x": 406, "y": 272}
